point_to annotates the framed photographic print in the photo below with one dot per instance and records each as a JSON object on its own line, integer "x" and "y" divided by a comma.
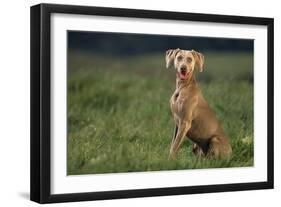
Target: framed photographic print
{"x": 133, "y": 103}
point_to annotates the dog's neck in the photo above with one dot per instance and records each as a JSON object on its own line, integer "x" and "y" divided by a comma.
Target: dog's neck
{"x": 185, "y": 83}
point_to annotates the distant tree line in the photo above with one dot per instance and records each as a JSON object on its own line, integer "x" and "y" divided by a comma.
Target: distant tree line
{"x": 133, "y": 44}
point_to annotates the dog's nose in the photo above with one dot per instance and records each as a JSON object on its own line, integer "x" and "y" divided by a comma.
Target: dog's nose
{"x": 183, "y": 68}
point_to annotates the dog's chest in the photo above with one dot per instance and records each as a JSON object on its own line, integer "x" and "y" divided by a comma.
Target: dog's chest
{"x": 174, "y": 98}
{"x": 174, "y": 101}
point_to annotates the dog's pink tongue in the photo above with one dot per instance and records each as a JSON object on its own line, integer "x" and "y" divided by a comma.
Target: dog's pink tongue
{"x": 183, "y": 75}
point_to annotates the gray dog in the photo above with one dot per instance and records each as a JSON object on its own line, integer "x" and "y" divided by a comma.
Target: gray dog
{"x": 192, "y": 114}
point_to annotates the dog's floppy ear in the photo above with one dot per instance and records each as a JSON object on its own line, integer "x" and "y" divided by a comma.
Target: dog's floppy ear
{"x": 170, "y": 57}
{"x": 199, "y": 60}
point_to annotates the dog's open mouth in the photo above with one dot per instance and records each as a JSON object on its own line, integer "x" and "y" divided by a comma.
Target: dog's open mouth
{"x": 183, "y": 75}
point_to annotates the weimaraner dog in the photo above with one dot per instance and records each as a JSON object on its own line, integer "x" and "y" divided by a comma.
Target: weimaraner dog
{"x": 193, "y": 116}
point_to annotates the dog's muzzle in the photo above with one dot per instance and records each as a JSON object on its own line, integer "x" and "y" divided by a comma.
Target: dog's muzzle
{"x": 183, "y": 73}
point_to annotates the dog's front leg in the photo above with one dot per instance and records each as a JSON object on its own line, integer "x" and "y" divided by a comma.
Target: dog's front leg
{"x": 175, "y": 133}
{"x": 178, "y": 140}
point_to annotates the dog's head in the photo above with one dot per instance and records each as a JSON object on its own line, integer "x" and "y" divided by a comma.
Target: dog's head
{"x": 184, "y": 61}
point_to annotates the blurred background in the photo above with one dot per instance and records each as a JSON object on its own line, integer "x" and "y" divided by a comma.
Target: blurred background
{"x": 222, "y": 55}
{"x": 135, "y": 44}
{"x": 119, "y": 118}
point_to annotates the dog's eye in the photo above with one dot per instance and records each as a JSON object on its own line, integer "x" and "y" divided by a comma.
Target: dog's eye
{"x": 189, "y": 59}
{"x": 179, "y": 58}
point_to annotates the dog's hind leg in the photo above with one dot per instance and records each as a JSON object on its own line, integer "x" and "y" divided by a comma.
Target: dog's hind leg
{"x": 219, "y": 148}
{"x": 214, "y": 147}
{"x": 197, "y": 150}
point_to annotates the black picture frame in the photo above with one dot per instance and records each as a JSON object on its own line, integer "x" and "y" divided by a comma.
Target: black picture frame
{"x": 41, "y": 99}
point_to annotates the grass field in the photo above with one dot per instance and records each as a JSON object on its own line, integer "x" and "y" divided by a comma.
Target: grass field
{"x": 119, "y": 118}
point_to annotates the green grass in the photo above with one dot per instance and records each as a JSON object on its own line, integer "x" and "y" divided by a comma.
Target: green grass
{"x": 119, "y": 118}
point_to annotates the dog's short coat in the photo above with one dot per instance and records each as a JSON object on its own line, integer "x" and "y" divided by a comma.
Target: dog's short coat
{"x": 192, "y": 114}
